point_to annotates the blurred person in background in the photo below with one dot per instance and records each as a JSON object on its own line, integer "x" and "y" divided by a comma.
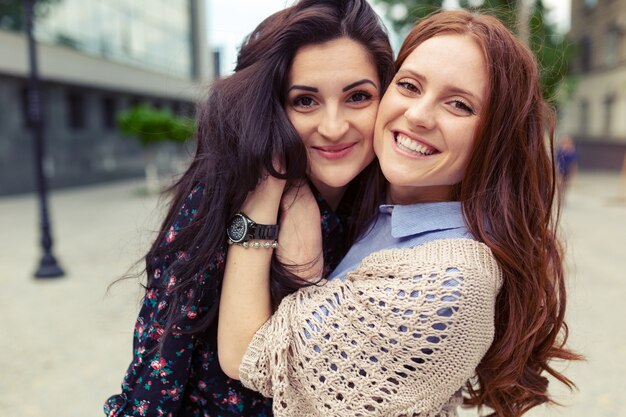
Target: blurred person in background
{"x": 305, "y": 92}
{"x": 457, "y": 292}
{"x": 566, "y": 161}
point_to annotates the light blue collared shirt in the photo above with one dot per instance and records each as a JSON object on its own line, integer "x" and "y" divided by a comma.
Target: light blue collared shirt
{"x": 404, "y": 227}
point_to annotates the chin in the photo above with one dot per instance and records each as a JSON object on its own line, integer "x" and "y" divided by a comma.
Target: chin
{"x": 336, "y": 183}
{"x": 336, "y": 178}
{"x": 391, "y": 173}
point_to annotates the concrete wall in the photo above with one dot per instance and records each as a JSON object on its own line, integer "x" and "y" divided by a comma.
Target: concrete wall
{"x": 595, "y": 115}
{"x": 594, "y": 89}
{"x": 74, "y": 156}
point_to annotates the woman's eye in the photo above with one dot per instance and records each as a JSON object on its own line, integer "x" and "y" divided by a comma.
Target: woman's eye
{"x": 304, "y": 101}
{"x": 408, "y": 86}
{"x": 359, "y": 97}
{"x": 462, "y": 106}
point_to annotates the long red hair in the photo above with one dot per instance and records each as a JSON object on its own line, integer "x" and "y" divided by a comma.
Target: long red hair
{"x": 508, "y": 197}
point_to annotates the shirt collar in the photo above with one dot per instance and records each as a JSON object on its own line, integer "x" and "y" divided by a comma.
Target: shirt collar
{"x": 421, "y": 218}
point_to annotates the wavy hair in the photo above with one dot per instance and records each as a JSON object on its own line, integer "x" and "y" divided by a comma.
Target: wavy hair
{"x": 242, "y": 126}
{"x": 508, "y": 197}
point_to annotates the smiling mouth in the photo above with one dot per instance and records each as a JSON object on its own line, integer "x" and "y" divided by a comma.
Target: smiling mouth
{"x": 409, "y": 145}
{"x": 334, "y": 149}
{"x": 334, "y": 152}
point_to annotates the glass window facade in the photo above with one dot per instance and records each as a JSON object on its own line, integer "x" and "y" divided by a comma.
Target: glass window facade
{"x": 151, "y": 34}
{"x": 611, "y": 45}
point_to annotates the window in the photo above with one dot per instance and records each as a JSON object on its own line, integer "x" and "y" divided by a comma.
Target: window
{"x": 584, "y": 117}
{"x": 108, "y": 113}
{"x": 609, "y": 106}
{"x": 135, "y": 102}
{"x": 38, "y": 111}
{"x": 585, "y": 53}
{"x": 183, "y": 109}
{"x": 217, "y": 63}
{"x": 611, "y": 44}
{"x": 75, "y": 111}
{"x": 25, "y": 112}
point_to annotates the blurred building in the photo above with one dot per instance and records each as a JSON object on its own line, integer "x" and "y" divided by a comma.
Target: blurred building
{"x": 95, "y": 59}
{"x": 596, "y": 114}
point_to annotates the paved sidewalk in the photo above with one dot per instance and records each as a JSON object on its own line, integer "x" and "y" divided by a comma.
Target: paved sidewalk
{"x": 66, "y": 344}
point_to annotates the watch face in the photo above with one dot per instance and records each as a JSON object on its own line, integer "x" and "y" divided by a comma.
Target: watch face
{"x": 237, "y": 229}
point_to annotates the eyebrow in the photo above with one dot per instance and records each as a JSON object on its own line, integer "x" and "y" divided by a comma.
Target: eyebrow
{"x": 454, "y": 89}
{"x": 303, "y": 87}
{"x": 358, "y": 83}
{"x": 344, "y": 89}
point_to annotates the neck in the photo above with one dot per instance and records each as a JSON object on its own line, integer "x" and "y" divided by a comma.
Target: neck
{"x": 332, "y": 195}
{"x": 404, "y": 195}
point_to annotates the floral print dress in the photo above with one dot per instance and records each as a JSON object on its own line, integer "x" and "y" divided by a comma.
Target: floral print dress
{"x": 184, "y": 379}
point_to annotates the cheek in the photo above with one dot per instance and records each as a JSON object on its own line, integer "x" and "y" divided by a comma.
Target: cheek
{"x": 301, "y": 124}
{"x": 463, "y": 150}
{"x": 387, "y": 112}
{"x": 365, "y": 123}
{"x": 382, "y": 121}
{"x": 378, "y": 139}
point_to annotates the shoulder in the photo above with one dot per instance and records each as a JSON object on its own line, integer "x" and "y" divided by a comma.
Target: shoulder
{"x": 195, "y": 196}
{"x": 438, "y": 255}
{"x": 191, "y": 203}
{"x": 185, "y": 212}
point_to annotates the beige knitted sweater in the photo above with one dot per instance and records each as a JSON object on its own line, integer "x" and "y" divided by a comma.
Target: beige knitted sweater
{"x": 399, "y": 337}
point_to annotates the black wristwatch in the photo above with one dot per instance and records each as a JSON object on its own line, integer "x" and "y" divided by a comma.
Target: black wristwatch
{"x": 242, "y": 229}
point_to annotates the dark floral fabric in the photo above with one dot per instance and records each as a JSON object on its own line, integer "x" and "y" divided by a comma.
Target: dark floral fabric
{"x": 185, "y": 379}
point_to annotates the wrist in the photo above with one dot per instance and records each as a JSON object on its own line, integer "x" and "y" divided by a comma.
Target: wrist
{"x": 256, "y": 244}
{"x": 242, "y": 229}
{"x": 265, "y": 213}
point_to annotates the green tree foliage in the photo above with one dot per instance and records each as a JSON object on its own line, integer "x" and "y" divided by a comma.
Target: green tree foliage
{"x": 150, "y": 125}
{"x": 12, "y": 12}
{"x": 551, "y": 49}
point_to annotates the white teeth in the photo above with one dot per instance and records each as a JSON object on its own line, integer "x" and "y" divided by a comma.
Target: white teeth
{"x": 411, "y": 145}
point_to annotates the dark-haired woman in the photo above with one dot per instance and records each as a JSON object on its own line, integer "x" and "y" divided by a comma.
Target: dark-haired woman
{"x": 305, "y": 91}
{"x": 458, "y": 288}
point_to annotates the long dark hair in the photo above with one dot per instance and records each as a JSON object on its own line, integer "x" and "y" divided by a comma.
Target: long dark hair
{"x": 508, "y": 197}
{"x": 242, "y": 127}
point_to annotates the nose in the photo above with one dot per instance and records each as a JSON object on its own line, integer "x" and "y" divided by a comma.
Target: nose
{"x": 421, "y": 114}
{"x": 333, "y": 125}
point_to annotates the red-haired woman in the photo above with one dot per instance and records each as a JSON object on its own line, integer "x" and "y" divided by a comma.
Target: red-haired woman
{"x": 457, "y": 288}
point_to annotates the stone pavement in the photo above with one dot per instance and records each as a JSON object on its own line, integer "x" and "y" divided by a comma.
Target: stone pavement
{"x": 66, "y": 343}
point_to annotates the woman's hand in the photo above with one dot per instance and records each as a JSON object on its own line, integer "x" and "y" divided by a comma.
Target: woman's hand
{"x": 262, "y": 204}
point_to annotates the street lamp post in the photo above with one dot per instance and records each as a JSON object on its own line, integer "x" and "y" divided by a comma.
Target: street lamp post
{"x": 48, "y": 267}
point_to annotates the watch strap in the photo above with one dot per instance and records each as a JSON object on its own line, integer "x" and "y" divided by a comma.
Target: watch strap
{"x": 264, "y": 232}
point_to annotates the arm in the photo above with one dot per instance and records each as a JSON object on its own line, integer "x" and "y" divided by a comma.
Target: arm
{"x": 245, "y": 302}
{"x": 155, "y": 381}
{"x": 400, "y": 336}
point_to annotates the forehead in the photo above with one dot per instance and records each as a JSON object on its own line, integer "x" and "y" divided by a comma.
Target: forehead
{"x": 451, "y": 58}
{"x": 340, "y": 58}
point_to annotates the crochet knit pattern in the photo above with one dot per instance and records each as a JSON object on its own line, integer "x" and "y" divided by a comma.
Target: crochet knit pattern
{"x": 399, "y": 337}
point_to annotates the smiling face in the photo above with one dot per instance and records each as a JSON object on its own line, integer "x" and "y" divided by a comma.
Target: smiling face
{"x": 428, "y": 118}
{"x": 332, "y": 99}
